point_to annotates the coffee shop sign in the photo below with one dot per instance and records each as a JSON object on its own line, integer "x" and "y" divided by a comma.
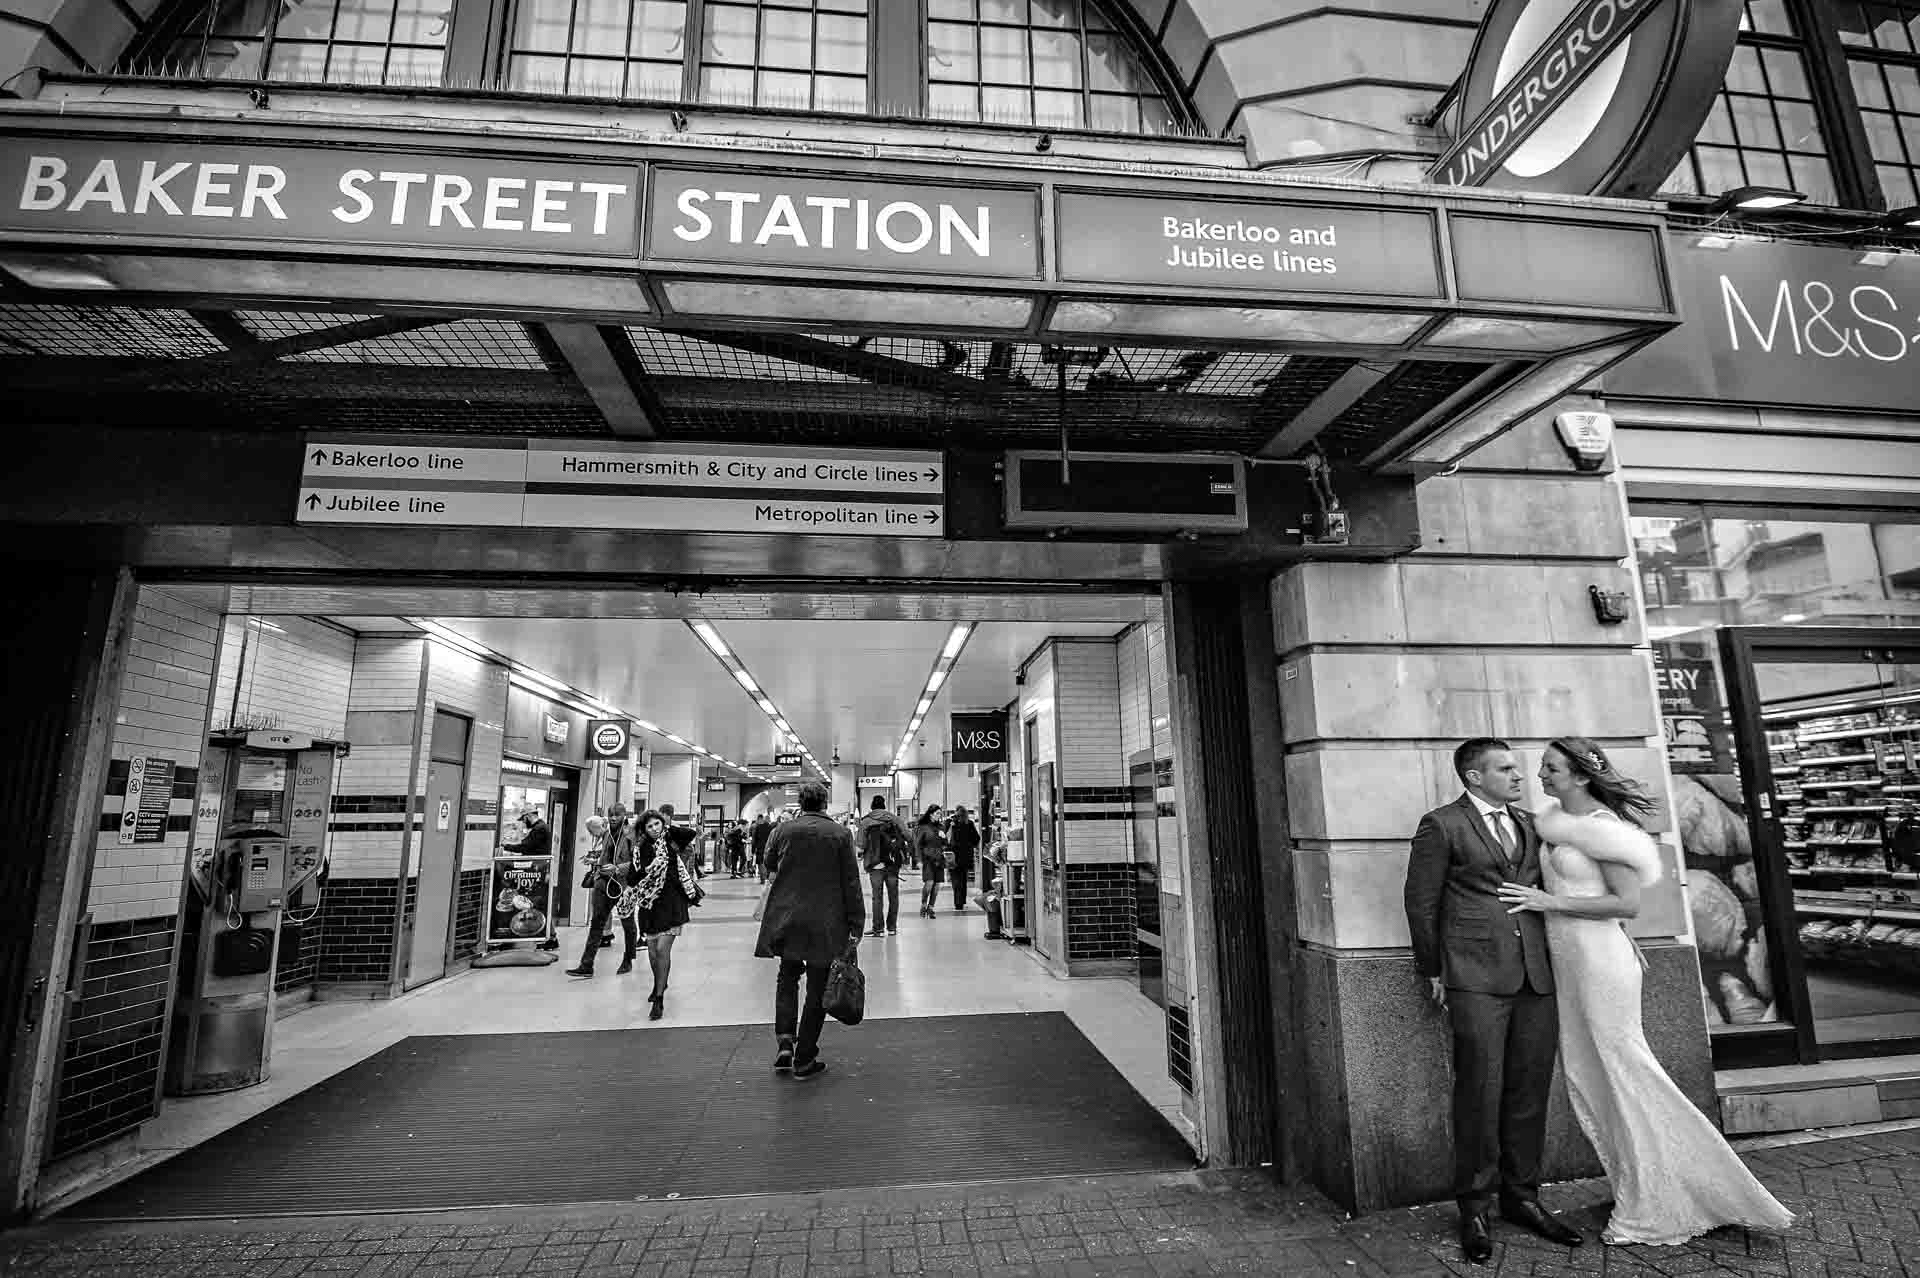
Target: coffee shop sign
{"x": 1814, "y": 319}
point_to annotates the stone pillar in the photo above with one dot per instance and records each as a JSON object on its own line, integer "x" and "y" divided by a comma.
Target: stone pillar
{"x": 1383, "y": 668}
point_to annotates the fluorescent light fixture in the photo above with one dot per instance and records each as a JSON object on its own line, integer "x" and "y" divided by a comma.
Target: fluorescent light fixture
{"x": 710, "y": 637}
{"x": 1907, "y": 218}
{"x": 767, "y": 705}
{"x": 1876, "y": 257}
{"x": 644, "y": 725}
{"x": 746, "y": 681}
{"x": 926, "y": 704}
{"x": 1792, "y": 618}
{"x": 1758, "y": 199}
{"x": 783, "y": 725}
{"x": 956, "y": 641}
{"x": 1719, "y": 242}
{"x": 261, "y": 623}
{"x": 532, "y": 679}
{"x": 934, "y": 681}
{"x": 453, "y": 637}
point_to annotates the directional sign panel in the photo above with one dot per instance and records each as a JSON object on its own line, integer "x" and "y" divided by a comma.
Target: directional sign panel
{"x": 598, "y": 484}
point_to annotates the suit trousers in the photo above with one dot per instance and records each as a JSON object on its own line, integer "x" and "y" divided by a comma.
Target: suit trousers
{"x": 1503, "y": 1053}
{"x": 791, "y": 1018}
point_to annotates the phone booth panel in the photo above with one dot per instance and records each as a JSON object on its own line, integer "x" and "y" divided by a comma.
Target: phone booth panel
{"x": 260, "y": 839}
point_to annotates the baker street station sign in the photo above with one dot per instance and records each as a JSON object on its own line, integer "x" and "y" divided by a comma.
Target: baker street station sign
{"x": 1587, "y": 97}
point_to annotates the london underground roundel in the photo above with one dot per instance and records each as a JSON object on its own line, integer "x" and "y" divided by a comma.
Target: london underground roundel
{"x": 1587, "y": 97}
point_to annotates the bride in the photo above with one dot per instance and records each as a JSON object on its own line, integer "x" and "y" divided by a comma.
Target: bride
{"x": 1673, "y": 1176}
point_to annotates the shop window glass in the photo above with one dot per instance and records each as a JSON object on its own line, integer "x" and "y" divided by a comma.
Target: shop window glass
{"x": 803, "y": 54}
{"x": 597, "y": 48}
{"x": 1700, "y": 572}
{"x": 1052, "y": 63}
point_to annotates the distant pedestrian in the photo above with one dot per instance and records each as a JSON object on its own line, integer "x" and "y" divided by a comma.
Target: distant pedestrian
{"x": 762, "y": 830}
{"x": 815, "y": 913}
{"x": 963, "y": 841}
{"x": 883, "y": 844}
{"x": 737, "y": 850}
{"x": 611, "y": 872}
{"x": 930, "y": 845}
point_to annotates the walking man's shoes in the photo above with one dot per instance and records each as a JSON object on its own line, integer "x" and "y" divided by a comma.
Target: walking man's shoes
{"x": 808, "y": 1068}
{"x": 783, "y": 1059}
{"x": 581, "y": 972}
{"x": 1538, "y": 1219}
{"x": 1475, "y": 1242}
{"x": 626, "y": 965}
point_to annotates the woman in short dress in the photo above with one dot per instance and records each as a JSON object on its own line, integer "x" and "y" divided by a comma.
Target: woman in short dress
{"x": 663, "y": 891}
{"x": 1674, "y": 1177}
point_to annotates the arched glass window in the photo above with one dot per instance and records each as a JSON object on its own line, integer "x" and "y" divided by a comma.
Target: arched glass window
{"x": 1050, "y": 63}
{"x": 402, "y": 42}
{"x": 1031, "y": 63}
{"x": 805, "y": 54}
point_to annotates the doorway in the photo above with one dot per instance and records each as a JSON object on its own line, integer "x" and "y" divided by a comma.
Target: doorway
{"x": 1828, "y": 728}
{"x": 436, "y": 860}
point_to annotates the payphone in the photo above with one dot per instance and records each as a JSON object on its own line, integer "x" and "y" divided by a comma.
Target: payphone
{"x": 259, "y": 867}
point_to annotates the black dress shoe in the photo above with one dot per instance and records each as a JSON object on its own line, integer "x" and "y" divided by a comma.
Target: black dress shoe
{"x": 1475, "y": 1241}
{"x": 1537, "y": 1218}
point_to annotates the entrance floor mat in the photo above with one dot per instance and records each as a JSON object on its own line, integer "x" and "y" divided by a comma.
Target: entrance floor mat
{"x": 455, "y": 1121}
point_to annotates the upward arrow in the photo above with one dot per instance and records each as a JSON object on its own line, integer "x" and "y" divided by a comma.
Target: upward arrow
{"x": 319, "y": 455}
{"x": 313, "y": 499}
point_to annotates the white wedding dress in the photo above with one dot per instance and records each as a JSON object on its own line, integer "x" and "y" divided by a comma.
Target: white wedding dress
{"x": 1674, "y": 1177}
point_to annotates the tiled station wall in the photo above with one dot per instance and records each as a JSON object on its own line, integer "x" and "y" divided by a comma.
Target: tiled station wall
{"x": 111, "y": 1059}
{"x": 1486, "y": 630}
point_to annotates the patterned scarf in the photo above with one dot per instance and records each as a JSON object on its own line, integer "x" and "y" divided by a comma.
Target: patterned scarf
{"x": 653, "y": 881}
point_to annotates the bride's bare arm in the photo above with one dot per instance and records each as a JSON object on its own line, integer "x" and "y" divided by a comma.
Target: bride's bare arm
{"x": 1620, "y": 901}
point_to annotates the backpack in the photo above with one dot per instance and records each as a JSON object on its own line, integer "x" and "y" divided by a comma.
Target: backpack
{"x": 884, "y": 844}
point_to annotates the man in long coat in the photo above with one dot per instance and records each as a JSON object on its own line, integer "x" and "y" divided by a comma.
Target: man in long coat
{"x": 815, "y": 913}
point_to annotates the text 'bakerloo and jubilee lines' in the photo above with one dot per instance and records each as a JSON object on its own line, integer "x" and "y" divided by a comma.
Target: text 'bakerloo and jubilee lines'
{"x": 645, "y": 487}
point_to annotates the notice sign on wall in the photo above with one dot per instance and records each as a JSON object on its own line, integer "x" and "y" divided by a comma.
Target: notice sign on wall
{"x": 149, "y": 793}
{"x": 643, "y": 487}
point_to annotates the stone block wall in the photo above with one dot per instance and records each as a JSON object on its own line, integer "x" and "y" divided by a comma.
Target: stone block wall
{"x": 1383, "y": 668}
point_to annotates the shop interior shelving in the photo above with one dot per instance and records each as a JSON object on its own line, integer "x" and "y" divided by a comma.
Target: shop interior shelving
{"x": 1841, "y": 772}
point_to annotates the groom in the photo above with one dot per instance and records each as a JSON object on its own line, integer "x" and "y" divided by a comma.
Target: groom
{"x": 1488, "y": 970}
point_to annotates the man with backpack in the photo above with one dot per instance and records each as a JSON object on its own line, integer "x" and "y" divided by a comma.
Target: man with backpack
{"x": 881, "y": 839}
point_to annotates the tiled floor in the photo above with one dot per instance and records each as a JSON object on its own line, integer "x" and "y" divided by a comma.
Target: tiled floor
{"x": 939, "y": 966}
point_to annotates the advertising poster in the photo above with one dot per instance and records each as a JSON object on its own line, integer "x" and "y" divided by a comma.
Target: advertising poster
{"x": 520, "y": 899}
{"x": 1691, "y": 713}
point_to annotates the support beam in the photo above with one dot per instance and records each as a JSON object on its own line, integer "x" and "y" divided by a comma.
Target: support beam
{"x": 1447, "y": 409}
{"x": 603, "y": 359}
{"x": 232, "y": 333}
{"x": 318, "y": 340}
{"x": 835, "y": 358}
{"x": 1325, "y": 408}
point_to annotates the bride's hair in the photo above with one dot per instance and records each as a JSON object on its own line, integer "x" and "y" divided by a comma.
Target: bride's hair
{"x": 1617, "y": 792}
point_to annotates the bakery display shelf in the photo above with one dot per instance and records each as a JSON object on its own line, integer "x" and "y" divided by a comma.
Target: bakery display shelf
{"x": 1790, "y": 843}
{"x": 1852, "y": 870}
{"x": 1865, "y": 783}
{"x": 1787, "y": 770}
{"x": 1845, "y": 843}
{"x": 1864, "y": 910}
{"x": 1814, "y": 811}
{"x": 1833, "y": 760}
{"x": 1877, "y": 730}
{"x": 1903, "y": 789}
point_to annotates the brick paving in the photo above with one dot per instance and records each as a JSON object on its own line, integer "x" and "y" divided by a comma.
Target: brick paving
{"x": 1857, "y": 1196}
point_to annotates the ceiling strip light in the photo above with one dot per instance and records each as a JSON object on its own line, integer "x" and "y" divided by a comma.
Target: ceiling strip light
{"x": 936, "y": 678}
{"x": 710, "y": 636}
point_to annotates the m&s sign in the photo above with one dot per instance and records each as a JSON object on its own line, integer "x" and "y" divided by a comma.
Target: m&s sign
{"x": 979, "y": 738}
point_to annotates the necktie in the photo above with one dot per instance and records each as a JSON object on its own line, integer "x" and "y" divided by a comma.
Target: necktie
{"x": 1507, "y": 844}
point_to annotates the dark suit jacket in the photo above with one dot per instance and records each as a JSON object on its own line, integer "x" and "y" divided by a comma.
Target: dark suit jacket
{"x": 1461, "y": 928}
{"x": 816, "y": 902}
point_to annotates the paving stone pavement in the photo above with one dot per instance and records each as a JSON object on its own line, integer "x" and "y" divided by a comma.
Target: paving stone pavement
{"x": 1857, "y": 1197}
